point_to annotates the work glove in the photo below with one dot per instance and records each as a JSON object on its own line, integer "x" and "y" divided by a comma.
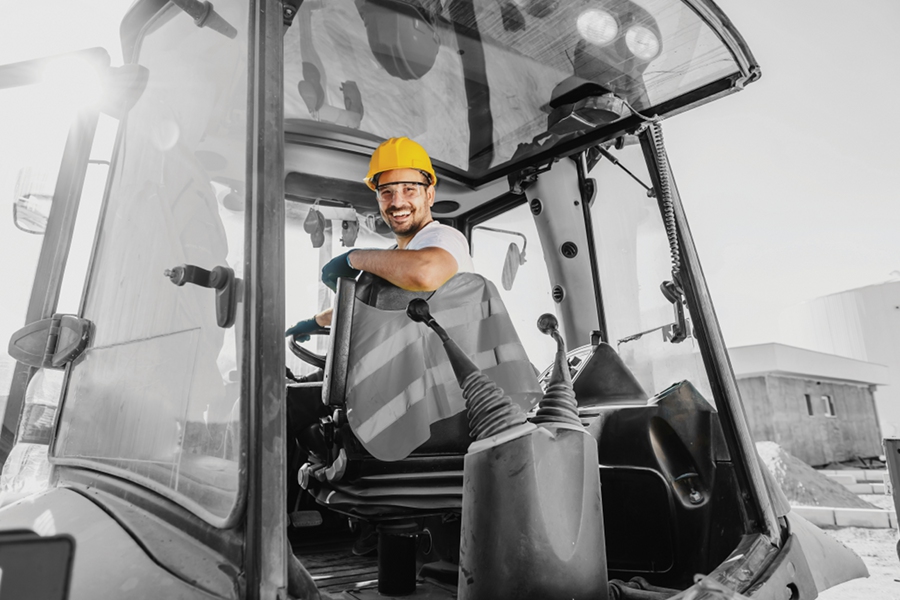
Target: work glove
{"x": 339, "y": 266}
{"x": 300, "y": 332}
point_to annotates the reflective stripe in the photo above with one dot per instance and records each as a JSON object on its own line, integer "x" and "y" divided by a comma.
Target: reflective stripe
{"x": 391, "y": 411}
{"x": 366, "y": 358}
{"x": 401, "y": 361}
{"x": 440, "y": 375}
{"x": 400, "y": 380}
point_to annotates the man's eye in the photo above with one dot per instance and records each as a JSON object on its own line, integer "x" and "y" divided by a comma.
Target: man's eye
{"x": 409, "y": 189}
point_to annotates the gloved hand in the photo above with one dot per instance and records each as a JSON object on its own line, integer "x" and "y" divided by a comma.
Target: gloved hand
{"x": 339, "y": 266}
{"x": 302, "y": 329}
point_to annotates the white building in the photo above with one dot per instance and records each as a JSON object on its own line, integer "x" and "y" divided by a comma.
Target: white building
{"x": 863, "y": 324}
{"x": 819, "y": 407}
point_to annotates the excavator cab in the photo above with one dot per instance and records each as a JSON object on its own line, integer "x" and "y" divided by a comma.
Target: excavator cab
{"x": 157, "y": 410}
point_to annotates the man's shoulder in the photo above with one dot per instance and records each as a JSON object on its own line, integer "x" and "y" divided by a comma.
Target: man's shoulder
{"x": 447, "y": 238}
{"x": 436, "y": 231}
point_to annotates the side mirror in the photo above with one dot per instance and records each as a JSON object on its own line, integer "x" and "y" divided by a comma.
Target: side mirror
{"x": 30, "y": 213}
{"x": 33, "y": 197}
{"x": 34, "y": 194}
{"x": 514, "y": 259}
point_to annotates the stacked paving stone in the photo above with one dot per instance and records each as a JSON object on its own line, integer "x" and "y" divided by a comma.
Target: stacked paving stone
{"x": 828, "y": 498}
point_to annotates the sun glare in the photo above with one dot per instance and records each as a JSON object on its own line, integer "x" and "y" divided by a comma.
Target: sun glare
{"x": 74, "y": 79}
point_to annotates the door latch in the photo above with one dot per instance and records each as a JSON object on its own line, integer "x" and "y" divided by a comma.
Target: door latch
{"x": 221, "y": 279}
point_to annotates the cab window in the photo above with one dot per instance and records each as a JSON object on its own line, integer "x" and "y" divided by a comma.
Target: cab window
{"x": 506, "y": 249}
{"x": 474, "y": 82}
{"x": 634, "y": 259}
{"x": 155, "y": 397}
{"x": 317, "y": 230}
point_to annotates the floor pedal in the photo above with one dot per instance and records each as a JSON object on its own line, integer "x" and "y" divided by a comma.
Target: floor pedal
{"x": 306, "y": 518}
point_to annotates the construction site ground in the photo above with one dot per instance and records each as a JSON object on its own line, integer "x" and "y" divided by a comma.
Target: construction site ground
{"x": 877, "y": 546}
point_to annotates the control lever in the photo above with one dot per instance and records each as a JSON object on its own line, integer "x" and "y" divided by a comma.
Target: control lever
{"x": 221, "y": 279}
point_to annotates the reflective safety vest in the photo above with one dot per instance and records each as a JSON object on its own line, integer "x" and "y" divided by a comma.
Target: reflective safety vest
{"x": 400, "y": 380}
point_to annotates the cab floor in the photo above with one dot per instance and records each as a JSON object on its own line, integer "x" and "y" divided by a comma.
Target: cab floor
{"x": 337, "y": 571}
{"x": 333, "y": 566}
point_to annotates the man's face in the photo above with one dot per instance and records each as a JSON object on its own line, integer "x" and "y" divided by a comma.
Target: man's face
{"x": 405, "y": 199}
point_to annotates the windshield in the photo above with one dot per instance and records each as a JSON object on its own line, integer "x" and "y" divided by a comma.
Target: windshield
{"x": 634, "y": 260}
{"x": 155, "y": 397}
{"x": 482, "y": 83}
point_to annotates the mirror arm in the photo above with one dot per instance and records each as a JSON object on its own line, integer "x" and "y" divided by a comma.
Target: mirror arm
{"x": 506, "y": 231}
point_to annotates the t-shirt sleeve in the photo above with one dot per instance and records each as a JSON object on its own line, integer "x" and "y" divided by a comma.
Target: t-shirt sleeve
{"x": 448, "y": 239}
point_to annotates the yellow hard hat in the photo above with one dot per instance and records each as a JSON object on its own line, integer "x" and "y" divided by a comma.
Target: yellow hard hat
{"x": 399, "y": 153}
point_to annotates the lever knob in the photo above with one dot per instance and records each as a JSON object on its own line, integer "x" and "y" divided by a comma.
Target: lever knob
{"x": 418, "y": 310}
{"x": 547, "y": 324}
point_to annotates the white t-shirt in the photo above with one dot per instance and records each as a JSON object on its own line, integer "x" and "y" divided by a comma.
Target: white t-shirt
{"x": 443, "y": 236}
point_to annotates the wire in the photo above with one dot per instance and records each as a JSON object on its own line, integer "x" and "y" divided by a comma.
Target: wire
{"x": 668, "y": 205}
{"x": 650, "y": 191}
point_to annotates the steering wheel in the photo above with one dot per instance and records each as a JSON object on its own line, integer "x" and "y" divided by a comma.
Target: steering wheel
{"x": 308, "y": 356}
{"x": 371, "y": 290}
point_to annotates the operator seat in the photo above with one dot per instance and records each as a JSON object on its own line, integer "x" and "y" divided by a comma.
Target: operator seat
{"x": 399, "y": 430}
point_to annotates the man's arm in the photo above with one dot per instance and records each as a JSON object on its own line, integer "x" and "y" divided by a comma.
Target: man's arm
{"x": 323, "y": 319}
{"x": 420, "y": 270}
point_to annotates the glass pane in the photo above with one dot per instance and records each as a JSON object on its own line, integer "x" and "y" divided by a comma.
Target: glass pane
{"x": 480, "y": 87}
{"x": 306, "y": 295}
{"x": 32, "y": 138}
{"x": 43, "y": 395}
{"x": 156, "y": 396}
{"x": 89, "y": 207}
{"x": 529, "y": 295}
{"x": 633, "y": 258}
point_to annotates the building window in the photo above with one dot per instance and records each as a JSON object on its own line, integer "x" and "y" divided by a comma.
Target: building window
{"x": 809, "y": 405}
{"x": 828, "y": 404}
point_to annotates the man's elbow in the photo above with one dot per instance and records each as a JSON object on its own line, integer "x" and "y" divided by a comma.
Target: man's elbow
{"x": 430, "y": 278}
{"x": 426, "y": 282}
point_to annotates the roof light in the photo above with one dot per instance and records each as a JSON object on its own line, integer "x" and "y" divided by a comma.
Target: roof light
{"x": 597, "y": 26}
{"x": 642, "y": 42}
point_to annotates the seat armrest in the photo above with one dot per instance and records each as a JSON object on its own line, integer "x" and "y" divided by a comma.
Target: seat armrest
{"x": 334, "y": 382}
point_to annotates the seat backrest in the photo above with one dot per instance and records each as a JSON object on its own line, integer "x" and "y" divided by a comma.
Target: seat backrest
{"x": 393, "y": 376}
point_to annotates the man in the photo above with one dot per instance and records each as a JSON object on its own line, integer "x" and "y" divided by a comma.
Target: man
{"x": 427, "y": 253}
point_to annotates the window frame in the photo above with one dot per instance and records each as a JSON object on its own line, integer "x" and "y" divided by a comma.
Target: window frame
{"x": 828, "y": 405}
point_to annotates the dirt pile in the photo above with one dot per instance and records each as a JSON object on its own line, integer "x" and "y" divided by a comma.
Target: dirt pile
{"x": 803, "y": 485}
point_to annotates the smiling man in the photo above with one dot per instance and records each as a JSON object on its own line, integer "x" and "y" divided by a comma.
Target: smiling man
{"x": 428, "y": 253}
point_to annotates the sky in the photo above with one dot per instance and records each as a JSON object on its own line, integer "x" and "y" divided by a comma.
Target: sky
{"x": 787, "y": 184}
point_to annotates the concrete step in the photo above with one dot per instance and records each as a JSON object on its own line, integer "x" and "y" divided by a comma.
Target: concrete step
{"x": 824, "y": 516}
{"x": 857, "y": 475}
{"x": 867, "y": 488}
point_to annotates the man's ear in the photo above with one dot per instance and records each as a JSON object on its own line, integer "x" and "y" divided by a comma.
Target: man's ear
{"x": 430, "y": 194}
